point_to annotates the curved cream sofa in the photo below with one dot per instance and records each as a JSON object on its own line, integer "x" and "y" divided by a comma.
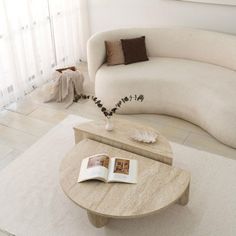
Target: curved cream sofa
{"x": 191, "y": 74}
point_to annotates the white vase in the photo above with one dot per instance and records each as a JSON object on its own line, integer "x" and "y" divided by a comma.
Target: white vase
{"x": 109, "y": 125}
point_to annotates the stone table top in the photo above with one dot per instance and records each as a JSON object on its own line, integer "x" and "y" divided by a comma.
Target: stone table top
{"x": 120, "y": 138}
{"x": 159, "y": 185}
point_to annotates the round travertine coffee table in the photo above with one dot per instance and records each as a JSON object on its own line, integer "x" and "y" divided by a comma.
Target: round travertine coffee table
{"x": 159, "y": 185}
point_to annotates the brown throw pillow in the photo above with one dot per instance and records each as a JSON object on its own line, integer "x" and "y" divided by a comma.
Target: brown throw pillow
{"x": 134, "y": 50}
{"x": 114, "y": 53}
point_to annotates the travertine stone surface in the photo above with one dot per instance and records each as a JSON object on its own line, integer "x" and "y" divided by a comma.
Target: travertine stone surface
{"x": 120, "y": 138}
{"x": 96, "y": 220}
{"x": 159, "y": 185}
{"x": 185, "y": 197}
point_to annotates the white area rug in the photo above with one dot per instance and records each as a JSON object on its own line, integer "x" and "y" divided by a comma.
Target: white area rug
{"x": 33, "y": 204}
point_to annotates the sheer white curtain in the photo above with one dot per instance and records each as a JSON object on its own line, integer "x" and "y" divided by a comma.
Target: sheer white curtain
{"x": 35, "y": 37}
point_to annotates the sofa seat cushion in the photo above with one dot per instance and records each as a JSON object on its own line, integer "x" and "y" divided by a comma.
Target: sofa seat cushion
{"x": 195, "y": 91}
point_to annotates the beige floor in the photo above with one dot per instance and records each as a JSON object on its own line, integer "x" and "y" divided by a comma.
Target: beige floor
{"x": 24, "y": 122}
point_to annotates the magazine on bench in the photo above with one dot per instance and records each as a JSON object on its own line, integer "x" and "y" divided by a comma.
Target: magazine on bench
{"x": 108, "y": 169}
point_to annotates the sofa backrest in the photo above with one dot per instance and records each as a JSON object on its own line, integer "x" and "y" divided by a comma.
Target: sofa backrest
{"x": 194, "y": 44}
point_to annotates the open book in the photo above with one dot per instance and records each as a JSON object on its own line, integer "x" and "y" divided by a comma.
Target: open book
{"x": 107, "y": 169}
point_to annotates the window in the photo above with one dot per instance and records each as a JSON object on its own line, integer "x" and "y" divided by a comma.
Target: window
{"x": 35, "y": 37}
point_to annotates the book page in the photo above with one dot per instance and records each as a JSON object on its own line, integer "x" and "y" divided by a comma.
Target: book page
{"x": 122, "y": 170}
{"x": 94, "y": 167}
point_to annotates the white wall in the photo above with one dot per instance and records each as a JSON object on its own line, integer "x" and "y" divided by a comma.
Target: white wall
{"x": 110, "y": 14}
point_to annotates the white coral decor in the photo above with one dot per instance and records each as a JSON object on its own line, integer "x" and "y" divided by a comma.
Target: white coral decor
{"x": 145, "y": 136}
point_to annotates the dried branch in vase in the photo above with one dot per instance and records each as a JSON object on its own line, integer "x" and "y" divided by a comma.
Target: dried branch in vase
{"x": 109, "y": 112}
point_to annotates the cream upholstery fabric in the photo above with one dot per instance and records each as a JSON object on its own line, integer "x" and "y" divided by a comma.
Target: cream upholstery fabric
{"x": 200, "y": 92}
{"x": 194, "y": 44}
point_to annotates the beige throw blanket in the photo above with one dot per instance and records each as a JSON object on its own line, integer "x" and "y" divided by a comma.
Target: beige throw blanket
{"x": 63, "y": 87}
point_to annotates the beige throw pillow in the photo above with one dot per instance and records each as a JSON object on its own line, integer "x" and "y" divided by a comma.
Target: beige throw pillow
{"x": 114, "y": 53}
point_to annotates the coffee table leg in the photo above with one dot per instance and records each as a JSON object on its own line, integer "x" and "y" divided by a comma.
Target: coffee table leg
{"x": 183, "y": 200}
{"x": 96, "y": 220}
